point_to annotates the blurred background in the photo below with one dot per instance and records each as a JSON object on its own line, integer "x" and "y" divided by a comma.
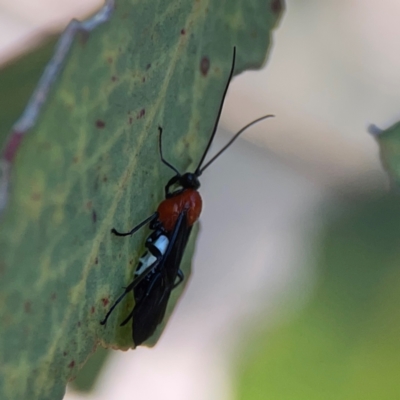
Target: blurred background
{"x": 295, "y": 286}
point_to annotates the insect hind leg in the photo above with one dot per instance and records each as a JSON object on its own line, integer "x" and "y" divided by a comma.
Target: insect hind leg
{"x": 128, "y": 318}
{"x": 180, "y": 277}
{"x": 127, "y": 290}
{"x": 153, "y": 282}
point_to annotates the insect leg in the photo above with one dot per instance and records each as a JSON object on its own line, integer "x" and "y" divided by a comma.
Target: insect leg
{"x": 180, "y": 277}
{"x": 128, "y": 318}
{"x": 127, "y": 290}
{"x": 153, "y": 282}
{"x": 170, "y": 183}
{"x": 137, "y": 227}
{"x": 130, "y": 287}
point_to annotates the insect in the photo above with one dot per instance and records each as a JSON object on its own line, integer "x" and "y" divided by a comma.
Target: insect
{"x": 158, "y": 271}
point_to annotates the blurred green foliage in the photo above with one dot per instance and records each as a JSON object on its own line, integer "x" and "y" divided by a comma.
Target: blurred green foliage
{"x": 389, "y": 144}
{"x": 345, "y": 343}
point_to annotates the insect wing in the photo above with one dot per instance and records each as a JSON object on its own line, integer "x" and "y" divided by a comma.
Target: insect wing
{"x": 172, "y": 262}
{"x": 153, "y": 293}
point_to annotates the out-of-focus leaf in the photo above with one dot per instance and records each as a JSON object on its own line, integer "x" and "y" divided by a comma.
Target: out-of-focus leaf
{"x": 389, "y": 144}
{"x": 345, "y": 344}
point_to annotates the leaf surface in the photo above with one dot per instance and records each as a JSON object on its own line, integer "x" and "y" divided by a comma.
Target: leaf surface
{"x": 88, "y": 161}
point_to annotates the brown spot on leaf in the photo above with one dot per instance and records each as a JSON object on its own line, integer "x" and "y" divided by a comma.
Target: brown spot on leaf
{"x": 105, "y": 178}
{"x": 92, "y": 310}
{"x": 105, "y": 301}
{"x": 94, "y": 216}
{"x": 12, "y": 145}
{"x": 27, "y": 307}
{"x": 79, "y": 324}
{"x": 144, "y": 79}
{"x": 96, "y": 260}
{"x": 45, "y": 145}
{"x": 71, "y": 364}
{"x": 148, "y": 66}
{"x": 83, "y": 36}
{"x": 276, "y": 6}
{"x": 110, "y": 60}
{"x": 114, "y": 78}
{"x": 36, "y": 196}
{"x": 183, "y": 31}
{"x": 204, "y": 65}
{"x": 141, "y": 113}
{"x": 100, "y": 124}
{"x": 130, "y": 120}
{"x": 65, "y": 353}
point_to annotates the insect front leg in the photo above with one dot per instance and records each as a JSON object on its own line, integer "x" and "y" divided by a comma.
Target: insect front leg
{"x": 127, "y": 290}
{"x": 137, "y": 227}
{"x": 170, "y": 183}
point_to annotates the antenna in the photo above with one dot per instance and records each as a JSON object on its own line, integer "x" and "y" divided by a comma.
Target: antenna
{"x": 198, "y": 169}
{"x": 161, "y": 153}
{"x": 199, "y": 172}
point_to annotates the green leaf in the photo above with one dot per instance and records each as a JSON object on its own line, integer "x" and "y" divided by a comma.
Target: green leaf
{"x": 86, "y": 160}
{"x": 345, "y": 343}
{"x": 87, "y": 376}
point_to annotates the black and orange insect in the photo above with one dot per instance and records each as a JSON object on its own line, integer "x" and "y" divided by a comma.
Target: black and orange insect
{"x": 158, "y": 271}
